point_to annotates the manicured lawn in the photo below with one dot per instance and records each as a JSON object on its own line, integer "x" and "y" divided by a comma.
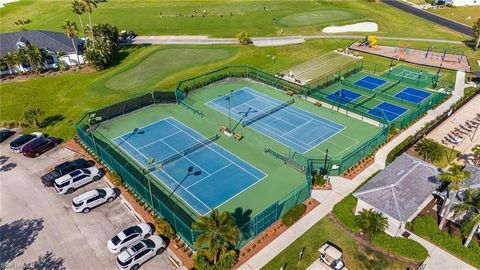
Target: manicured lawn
{"x": 465, "y": 15}
{"x": 355, "y": 256}
{"x": 151, "y": 17}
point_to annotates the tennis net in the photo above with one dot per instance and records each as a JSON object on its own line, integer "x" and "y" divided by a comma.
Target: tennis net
{"x": 267, "y": 113}
{"x": 364, "y": 101}
{"x": 390, "y": 86}
{"x": 185, "y": 152}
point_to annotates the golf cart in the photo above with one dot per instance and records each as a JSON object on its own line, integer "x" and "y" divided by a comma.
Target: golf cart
{"x": 331, "y": 256}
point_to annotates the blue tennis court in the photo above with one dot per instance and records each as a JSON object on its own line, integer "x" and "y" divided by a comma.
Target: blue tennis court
{"x": 290, "y": 126}
{"x": 412, "y": 95}
{"x": 369, "y": 82}
{"x": 391, "y": 111}
{"x": 343, "y": 96}
{"x": 197, "y": 170}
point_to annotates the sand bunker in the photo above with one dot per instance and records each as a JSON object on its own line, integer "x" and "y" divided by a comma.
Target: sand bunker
{"x": 356, "y": 27}
{"x": 3, "y": 2}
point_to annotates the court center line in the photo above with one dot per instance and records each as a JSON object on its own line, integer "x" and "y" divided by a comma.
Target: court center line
{"x": 148, "y": 144}
{"x": 213, "y": 173}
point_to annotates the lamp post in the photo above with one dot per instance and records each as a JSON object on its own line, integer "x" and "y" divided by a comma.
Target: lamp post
{"x": 92, "y": 118}
{"x": 271, "y": 56}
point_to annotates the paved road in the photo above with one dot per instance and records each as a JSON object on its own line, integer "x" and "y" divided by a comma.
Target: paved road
{"x": 455, "y": 26}
{"x": 39, "y": 227}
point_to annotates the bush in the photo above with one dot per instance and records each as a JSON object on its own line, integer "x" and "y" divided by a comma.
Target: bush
{"x": 244, "y": 38}
{"x": 318, "y": 179}
{"x": 226, "y": 261}
{"x": 395, "y": 151}
{"x": 163, "y": 227}
{"x": 293, "y": 214}
{"x": 427, "y": 228}
{"x": 407, "y": 248}
{"x": 116, "y": 179}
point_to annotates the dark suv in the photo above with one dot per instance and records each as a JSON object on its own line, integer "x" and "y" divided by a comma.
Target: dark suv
{"x": 39, "y": 146}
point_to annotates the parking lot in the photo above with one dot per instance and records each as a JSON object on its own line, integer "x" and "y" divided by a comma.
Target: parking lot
{"x": 39, "y": 229}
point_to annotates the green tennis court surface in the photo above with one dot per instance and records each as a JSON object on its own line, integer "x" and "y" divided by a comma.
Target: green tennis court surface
{"x": 411, "y": 76}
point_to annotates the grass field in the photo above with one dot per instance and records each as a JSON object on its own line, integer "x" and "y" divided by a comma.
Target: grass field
{"x": 151, "y": 17}
{"x": 465, "y": 15}
{"x": 354, "y": 256}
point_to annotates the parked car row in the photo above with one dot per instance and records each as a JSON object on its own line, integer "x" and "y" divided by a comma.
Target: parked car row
{"x": 30, "y": 145}
{"x": 134, "y": 245}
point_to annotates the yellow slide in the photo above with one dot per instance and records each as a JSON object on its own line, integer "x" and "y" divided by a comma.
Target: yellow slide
{"x": 372, "y": 41}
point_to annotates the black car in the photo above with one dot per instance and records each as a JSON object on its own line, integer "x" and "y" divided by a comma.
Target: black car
{"x": 64, "y": 168}
{"x": 5, "y": 134}
{"x": 17, "y": 145}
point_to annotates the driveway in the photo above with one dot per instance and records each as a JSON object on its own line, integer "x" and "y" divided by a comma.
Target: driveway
{"x": 40, "y": 230}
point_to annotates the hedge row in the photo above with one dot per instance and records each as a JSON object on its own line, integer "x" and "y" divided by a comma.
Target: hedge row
{"x": 427, "y": 228}
{"x": 393, "y": 154}
{"x": 293, "y": 214}
{"x": 407, "y": 248}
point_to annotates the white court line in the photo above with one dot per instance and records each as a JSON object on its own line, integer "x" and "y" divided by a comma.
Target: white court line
{"x": 148, "y": 144}
{"x": 209, "y": 175}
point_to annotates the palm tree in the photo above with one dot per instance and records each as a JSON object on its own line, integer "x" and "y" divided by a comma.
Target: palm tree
{"x": 36, "y": 56}
{"x": 218, "y": 231}
{"x": 429, "y": 150}
{"x": 70, "y": 29}
{"x": 476, "y": 153}
{"x": 89, "y": 6}
{"x": 11, "y": 60}
{"x": 470, "y": 206}
{"x": 371, "y": 222}
{"x": 59, "y": 55}
{"x": 79, "y": 8}
{"x": 455, "y": 176}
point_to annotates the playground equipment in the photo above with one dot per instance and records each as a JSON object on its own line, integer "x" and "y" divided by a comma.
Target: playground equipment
{"x": 371, "y": 41}
{"x": 444, "y": 53}
{"x": 403, "y": 49}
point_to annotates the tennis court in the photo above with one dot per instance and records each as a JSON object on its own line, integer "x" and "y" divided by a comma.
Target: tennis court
{"x": 298, "y": 129}
{"x": 412, "y": 95}
{"x": 411, "y": 75}
{"x": 343, "y": 96}
{"x": 391, "y": 111}
{"x": 369, "y": 82}
{"x": 196, "y": 169}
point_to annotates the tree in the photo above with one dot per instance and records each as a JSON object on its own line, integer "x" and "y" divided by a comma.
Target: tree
{"x": 244, "y": 38}
{"x": 70, "y": 29}
{"x": 89, "y": 6}
{"x": 101, "y": 53}
{"x": 79, "y": 8}
{"x": 31, "y": 116}
{"x": 429, "y": 150}
{"x": 471, "y": 207}
{"x": 476, "y": 154}
{"x": 371, "y": 222}
{"x": 476, "y": 33}
{"x": 454, "y": 176}
{"x": 11, "y": 60}
{"x": 59, "y": 55}
{"x": 35, "y": 56}
{"x": 217, "y": 232}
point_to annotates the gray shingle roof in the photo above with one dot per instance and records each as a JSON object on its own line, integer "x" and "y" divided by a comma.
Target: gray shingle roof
{"x": 52, "y": 41}
{"x": 474, "y": 180}
{"x": 401, "y": 188}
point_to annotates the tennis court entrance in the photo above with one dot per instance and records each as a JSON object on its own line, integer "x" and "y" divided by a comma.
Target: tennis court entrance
{"x": 195, "y": 168}
{"x": 289, "y": 125}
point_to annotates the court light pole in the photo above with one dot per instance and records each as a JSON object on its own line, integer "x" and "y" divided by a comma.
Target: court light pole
{"x": 271, "y": 56}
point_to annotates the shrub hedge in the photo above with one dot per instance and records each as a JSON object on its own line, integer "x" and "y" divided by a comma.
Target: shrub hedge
{"x": 407, "y": 248}
{"x": 344, "y": 211}
{"x": 427, "y": 228}
{"x": 293, "y": 214}
{"x": 392, "y": 154}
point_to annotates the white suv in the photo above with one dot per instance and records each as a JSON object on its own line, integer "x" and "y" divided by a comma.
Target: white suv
{"x": 136, "y": 255}
{"x": 129, "y": 236}
{"x": 90, "y": 199}
{"x": 68, "y": 183}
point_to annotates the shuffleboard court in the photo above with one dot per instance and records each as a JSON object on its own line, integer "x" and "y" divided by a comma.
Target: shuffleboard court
{"x": 285, "y": 123}
{"x": 412, "y": 95}
{"x": 196, "y": 169}
{"x": 343, "y": 96}
{"x": 391, "y": 111}
{"x": 369, "y": 82}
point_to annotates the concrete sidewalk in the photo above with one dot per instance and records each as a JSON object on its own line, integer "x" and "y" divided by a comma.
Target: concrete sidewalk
{"x": 342, "y": 187}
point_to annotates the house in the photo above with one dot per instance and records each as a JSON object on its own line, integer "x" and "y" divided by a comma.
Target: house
{"x": 50, "y": 42}
{"x": 459, "y": 3}
{"x": 400, "y": 191}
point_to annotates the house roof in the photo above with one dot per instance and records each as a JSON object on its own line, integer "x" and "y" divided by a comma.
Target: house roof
{"x": 473, "y": 180}
{"x": 52, "y": 41}
{"x": 401, "y": 188}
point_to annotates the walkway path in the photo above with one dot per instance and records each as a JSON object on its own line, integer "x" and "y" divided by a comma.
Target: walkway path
{"x": 266, "y": 41}
{"x": 342, "y": 187}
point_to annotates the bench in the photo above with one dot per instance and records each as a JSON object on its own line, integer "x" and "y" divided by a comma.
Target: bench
{"x": 238, "y": 136}
{"x": 290, "y": 93}
{"x": 318, "y": 103}
{"x": 222, "y": 128}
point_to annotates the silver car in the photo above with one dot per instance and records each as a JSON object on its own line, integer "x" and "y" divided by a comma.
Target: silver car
{"x": 134, "y": 256}
{"x": 129, "y": 236}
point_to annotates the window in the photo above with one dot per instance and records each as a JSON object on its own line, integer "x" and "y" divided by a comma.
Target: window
{"x": 50, "y": 60}
{"x": 79, "y": 178}
{"x": 129, "y": 238}
{"x": 141, "y": 254}
{"x": 92, "y": 199}
{"x": 75, "y": 173}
